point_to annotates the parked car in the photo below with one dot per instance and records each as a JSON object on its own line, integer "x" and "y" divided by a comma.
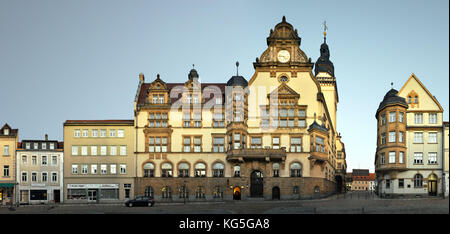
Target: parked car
{"x": 140, "y": 201}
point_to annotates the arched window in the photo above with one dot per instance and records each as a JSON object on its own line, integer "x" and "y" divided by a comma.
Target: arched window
{"x": 218, "y": 170}
{"x": 166, "y": 170}
{"x": 183, "y": 170}
{"x": 149, "y": 192}
{"x": 296, "y": 170}
{"x": 217, "y": 192}
{"x": 237, "y": 171}
{"x": 166, "y": 192}
{"x": 418, "y": 179}
{"x": 276, "y": 170}
{"x": 200, "y": 192}
{"x": 200, "y": 170}
{"x": 149, "y": 170}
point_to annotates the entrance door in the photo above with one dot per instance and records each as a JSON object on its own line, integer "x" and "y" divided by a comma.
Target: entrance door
{"x": 432, "y": 185}
{"x": 256, "y": 184}
{"x": 236, "y": 193}
{"x": 275, "y": 193}
{"x": 56, "y": 196}
{"x": 92, "y": 195}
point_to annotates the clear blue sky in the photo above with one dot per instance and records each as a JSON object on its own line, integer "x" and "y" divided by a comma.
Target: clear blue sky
{"x": 80, "y": 59}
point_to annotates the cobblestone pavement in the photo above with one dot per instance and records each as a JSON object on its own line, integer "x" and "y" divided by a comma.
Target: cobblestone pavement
{"x": 351, "y": 204}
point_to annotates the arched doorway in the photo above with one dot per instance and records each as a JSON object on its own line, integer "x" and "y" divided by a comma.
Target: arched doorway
{"x": 432, "y": 185}
{"x": 275, "y": 193}
{"x": 236, "y": 193}
{"x": 256, "y": 184}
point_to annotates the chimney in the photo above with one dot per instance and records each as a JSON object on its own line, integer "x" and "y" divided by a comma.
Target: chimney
{"x": 141, "y": 76}
{"x": 46, "y": 137}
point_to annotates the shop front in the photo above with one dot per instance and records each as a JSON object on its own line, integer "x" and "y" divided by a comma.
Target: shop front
{"x": 92, "y": 193}
{"x": 6, "y": 193}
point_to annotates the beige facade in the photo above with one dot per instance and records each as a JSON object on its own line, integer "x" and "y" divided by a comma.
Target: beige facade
{"x": 8, "y": 144}
{"x": 272, "y": 137}
{"x": 446, "y": 140}
{"x": 419, "y": 171}
{"x": 99, "y": 164}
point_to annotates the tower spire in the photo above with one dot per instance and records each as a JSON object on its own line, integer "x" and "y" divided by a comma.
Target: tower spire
{"x": 237, "y": 68}
{"x": 325, "y": 28}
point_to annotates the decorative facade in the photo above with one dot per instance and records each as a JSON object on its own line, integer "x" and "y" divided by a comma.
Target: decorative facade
{"x": 272, "y": 137}
{"x": 409, "y": 158}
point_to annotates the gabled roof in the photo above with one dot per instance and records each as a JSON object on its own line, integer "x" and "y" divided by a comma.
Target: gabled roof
{"x": 285, "y": 90}
{"x": 424, "y": 88}
{"x": 12, "y": 132}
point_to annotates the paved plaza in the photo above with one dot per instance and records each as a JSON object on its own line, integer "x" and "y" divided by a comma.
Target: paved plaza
{"x": 352, "y": 203}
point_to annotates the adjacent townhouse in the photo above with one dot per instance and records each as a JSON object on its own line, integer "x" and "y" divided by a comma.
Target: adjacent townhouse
{"x": 40, "y": 171}
{"x": 8, "y": 143}
{"x": 99, "y": 163}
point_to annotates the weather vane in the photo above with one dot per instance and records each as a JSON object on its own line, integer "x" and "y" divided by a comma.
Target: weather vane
{"x": 325, "y": 28}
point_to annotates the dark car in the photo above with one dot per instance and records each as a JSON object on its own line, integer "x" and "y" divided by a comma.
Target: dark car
{"x": 141, "y": 201}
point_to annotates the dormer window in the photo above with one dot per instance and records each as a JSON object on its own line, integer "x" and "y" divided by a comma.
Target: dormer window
{"x": 6, "y": 131}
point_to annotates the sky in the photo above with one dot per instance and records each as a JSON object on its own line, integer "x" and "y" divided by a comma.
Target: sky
{"x": 81, "y": 59}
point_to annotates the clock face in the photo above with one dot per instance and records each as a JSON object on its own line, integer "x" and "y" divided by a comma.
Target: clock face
{"x": 283, "y": 56}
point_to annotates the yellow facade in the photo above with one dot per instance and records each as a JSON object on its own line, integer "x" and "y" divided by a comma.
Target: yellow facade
{"x": 8, "y": 145}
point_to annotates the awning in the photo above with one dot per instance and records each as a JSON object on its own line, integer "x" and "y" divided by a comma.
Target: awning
{"x": 6, "y": 185}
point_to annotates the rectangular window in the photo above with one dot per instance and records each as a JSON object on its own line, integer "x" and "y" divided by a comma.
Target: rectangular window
{"x": 123, "y": 169}
{"x": 401, "y": 117}
{"x": 418, "y": 137}
{"x": 113, "y": 168}
{"x": 44, "y": 176}
{"x": 418, "y": 118}
{"x": 44, "y": 160}
{"x": 44, "y": 145}
{"x": 401, "y": 137}
{"x": 401, "y": 183}
{"x": 382, "y": 159}
{"x": 256, "y": 142}
{"x": 401, "y": 157}
{"x": 155, "y": 99}
{"x": 94, "y": 132}
{"x": 74, "y": 150}
{"x": 391, "y": 157}
{"x": 296, "y": 144}
{"x": 161, "y": 99}
{"x": 34, "y": 160}
{"x": 36, "y": 146}
{"x": 383, "y": 119}
{"x": 76, "y": 133}
{"x": 85, "y": 133}
{"x": 388, "y": 184}
{"x": 27, "y": 146}
{"x": 94, "y": 150}
{"x": 24, "y": 176}
{"x": 103, "y": 169}
{"x": 24, "y": 160}
{"x": 120, "y": 133}
{"x": 383, "y": 138}
{"x": 275, "y": 142}
{"x": 84, "y": 150}
{"x": 93, "y": 169}
{"x": 54, "y": 177}
{"x": 432, "y": 158}
{"x": 301, "y": 123}
{"x": 432, "y": 118}
{"x": 218, "y": 144}
{"x": 391, "y": 136}
{"x": 34, "y": 177}
{"x": 418, "y": 158}
{"x": 320, "y": 144}
{"x": 391, "y": 117}
{"x": 432, "y": 137}
{"x": 113, "y": 150}
{"x": 52, "y": 146}
{"x": 102, "y": 132}
{"x": 6, "y": 150}
{"x": 197, "y": 144}
{"x": 112, "y": 133}
{"x": 187, "y": 144}
{"x": 102, "y": 150}
{"x": 84, "y": 169}
{"x": 123, "y": 150}
{"x": 74, "y": 169}
{"x": 6, "y": 170}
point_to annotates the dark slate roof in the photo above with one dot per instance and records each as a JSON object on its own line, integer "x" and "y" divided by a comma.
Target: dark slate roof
{"x": 192, "y": 74}
{"x": 392, "y": 97}
{"x": 315, "y": 125}
{"x": 323, "y": 63}
{"x": 237, "y": 81}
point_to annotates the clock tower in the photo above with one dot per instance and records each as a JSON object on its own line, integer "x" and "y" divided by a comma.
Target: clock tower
{"x": 283, "y": 51}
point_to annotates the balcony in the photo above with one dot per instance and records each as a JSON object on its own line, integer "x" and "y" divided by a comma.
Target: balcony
{"x": 267, "y": 154}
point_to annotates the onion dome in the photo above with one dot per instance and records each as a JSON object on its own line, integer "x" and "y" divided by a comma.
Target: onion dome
{"x": 237, "y": 80}
{"x": 392, "y": 97}
{"x": 193, "y": 73}
{"x": 323, "y": 63}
